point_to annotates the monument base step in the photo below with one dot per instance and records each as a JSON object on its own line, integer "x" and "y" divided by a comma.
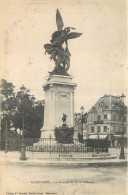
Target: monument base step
{"x": 70, "y": 157}
{"x": 65, "y": 155}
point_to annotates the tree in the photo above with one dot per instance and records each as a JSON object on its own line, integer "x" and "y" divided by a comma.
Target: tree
{"x": 64, "y": 134}
{"x": 37, "y": 117}
{"x": 7, "y": 96}
{"x": 7, "y": 88}
{"x": 8, "y": 105}
{"x": 33, "y": 113}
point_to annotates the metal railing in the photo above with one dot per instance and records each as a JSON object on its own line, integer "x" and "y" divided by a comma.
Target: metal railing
{"x": 50, "y": 145}
{"x": 15, "y": 143}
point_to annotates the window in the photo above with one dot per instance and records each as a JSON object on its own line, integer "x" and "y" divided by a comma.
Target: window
{"x": 92, "y": 129}
{"x": 119, "y": 118}
{"x": 124, "y": 118}
{"x": 105, "y": 116}
{"x": 98, "y": 129}
{"x": 114, "y": 117}
{"x": 124, "y": 130}
{"x": 99, "y": 117}
{"x": 105, "y": 129}
{"x": 114, "y": 129}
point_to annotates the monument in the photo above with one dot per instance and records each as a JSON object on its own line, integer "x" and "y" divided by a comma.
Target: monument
{"x": 59, "y": 88}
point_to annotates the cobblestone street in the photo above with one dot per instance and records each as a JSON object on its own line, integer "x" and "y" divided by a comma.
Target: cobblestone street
{"x": 76, "y": 181}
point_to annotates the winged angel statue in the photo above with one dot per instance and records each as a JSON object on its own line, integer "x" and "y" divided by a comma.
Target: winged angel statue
{"x": 58, "y": 48}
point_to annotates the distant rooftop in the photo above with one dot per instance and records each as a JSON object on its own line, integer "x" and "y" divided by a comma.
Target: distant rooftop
{"x": 105, "y": 102}
{"x": 106, "y": 95}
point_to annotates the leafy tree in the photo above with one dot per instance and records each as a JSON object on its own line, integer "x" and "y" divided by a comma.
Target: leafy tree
{"x": 29, "y": 115}
{"x": 37, "y": 116}
{"x": 121, "y": 111}
{"x": 7, "y": 88}
{"x": 64, "y": 134}
{"x": 8, "y": 105}
{"x": 17, "y": 110}
{"x": 7, "y": 96}
{"x": 23, "y": 111}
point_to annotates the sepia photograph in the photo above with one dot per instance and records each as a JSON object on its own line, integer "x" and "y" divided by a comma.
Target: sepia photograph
{"x": 63, "y": 97}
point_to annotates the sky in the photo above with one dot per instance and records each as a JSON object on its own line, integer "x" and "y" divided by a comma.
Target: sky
{"x": 98, "y": 57}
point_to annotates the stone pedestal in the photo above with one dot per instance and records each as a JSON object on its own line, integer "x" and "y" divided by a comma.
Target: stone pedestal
{"x": 59, "y": 99}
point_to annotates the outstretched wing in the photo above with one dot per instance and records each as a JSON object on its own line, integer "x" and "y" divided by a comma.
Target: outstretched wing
{"x": 73, "y": 35}
{"x": 59, "y": 20}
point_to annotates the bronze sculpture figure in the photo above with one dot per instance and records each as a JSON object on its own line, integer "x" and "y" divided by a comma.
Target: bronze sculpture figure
{"x": 56, "y": 50}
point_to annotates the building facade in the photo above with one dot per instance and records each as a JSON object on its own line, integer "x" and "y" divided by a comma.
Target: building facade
{"x": 103, "y": 117}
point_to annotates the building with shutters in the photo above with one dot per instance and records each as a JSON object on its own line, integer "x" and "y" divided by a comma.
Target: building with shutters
{"x": 103, "y": 117}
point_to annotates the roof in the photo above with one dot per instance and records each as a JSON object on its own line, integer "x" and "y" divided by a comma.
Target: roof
{"x": 106, "y": 102}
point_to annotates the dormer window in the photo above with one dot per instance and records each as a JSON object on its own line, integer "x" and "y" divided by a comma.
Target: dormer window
{"x": 105, "y": 116}
{"x": 99, "y": 117}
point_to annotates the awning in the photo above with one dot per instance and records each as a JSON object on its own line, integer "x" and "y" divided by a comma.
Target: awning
{"x": 120, "y": 136}
{"x": 93, "y": 137}
{"x": 96, "y": 136}
{"x": 103, "y": 136}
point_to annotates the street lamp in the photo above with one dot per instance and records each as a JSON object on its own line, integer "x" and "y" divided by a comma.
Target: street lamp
{"x": 120, "y": 107}
{"x": 82, "y": 109}
{"x": 82, "y": 118}
{"x": 122, "y": 156}
{"x": 97, "y": 142}
{"x": 20, "y": 99}
{"x": 75, "y": 119}
{"x": 23, "y": 89}
{"x": 19, "y": 132}
{"x": 6, "y": 127}
{"x": 82, "y": 121}
{"x": 122, "y": 97}
{"x": 33, "y": 99}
